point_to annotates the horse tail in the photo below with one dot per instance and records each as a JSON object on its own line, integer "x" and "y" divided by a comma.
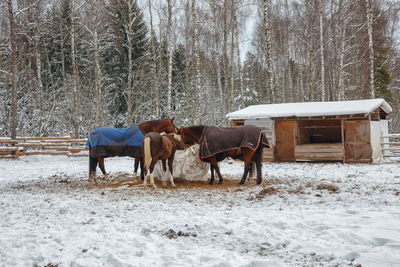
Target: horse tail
{"x": 147, "y": 152}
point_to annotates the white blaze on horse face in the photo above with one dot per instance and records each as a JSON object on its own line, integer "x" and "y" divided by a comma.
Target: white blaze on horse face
{"x": 178, "y": 137}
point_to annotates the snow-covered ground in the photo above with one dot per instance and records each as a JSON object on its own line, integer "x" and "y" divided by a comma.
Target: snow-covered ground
{"x": 301, "y": 215}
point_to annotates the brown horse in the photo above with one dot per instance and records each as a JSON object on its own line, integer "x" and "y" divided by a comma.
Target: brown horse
{"x": 214, "y": 136}
{"x": 157, "y": 147}
{"x": 119, "y": 148}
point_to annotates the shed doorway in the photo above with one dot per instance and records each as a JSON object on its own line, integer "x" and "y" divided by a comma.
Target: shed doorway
{"x": 285, "y": 136}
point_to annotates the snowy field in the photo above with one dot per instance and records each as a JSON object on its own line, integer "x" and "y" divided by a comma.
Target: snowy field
{"x": 301, "y": 215}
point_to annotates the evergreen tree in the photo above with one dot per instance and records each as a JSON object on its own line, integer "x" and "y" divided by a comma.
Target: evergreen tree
{"x": 116, "y": 53}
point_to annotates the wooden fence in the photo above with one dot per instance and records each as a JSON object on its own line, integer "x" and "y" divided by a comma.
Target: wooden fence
{"x": 24, "y": 146}
{"x": 390, "y": 145}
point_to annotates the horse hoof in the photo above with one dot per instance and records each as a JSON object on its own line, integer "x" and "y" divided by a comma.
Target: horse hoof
{"x": 173, "y": 185}
{"x": 241, "y": 183}
{"x": 164, "y": 184}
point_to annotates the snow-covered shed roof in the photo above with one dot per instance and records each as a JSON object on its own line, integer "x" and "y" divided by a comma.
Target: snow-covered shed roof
{"x": 309, "y": 109}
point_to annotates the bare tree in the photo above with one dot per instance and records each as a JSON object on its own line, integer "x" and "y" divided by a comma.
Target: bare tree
{"x": 343, "y": 24}
{"x": 128, "y": 27}
{"x": 197, "y": 61}
{"x": 75, "y": 116}
{"x": 14, "y": 88}
{"x": 169, "y": 57}
{"x": 154, "y": 69}
{"x": 321, "y": 45}
{"x": 268, "y": 52}
{"x": 370, "y": 19}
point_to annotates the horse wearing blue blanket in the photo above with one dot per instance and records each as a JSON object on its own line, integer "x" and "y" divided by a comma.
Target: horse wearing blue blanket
{"x": 106, "y": 142}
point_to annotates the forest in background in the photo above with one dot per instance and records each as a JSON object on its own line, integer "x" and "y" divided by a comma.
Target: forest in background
{"x": 73, "y": 65}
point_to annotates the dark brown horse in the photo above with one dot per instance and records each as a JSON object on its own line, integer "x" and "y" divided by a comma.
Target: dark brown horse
{"x": 157, "y": 147}
{"x": 97, "y": 154}
{"x": 233, "y": 142}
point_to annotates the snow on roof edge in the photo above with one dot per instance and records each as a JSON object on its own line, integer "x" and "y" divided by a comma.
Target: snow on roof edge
{"x": 310, "y": 109}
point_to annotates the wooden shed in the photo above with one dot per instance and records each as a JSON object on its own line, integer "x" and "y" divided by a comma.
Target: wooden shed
{"x": 347, "y": 131}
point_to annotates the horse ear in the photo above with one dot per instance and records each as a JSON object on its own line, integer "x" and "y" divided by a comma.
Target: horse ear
{"x": 171, "y": 119}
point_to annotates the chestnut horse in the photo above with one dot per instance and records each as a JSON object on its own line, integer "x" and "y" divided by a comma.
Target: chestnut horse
{"x": 157, "y": 147}
{"x": 97, "y": 158}
{"x": 246, "y": 154}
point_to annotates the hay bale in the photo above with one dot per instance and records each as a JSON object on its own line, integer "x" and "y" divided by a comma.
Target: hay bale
{"x": 187, "y": 165}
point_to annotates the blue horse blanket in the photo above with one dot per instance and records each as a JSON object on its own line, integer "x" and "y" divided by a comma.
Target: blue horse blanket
{"x": 109, "y": 142}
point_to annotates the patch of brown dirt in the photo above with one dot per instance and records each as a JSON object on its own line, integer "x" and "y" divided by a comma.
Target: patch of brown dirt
{"x": 330, "y": 187}
{"x": 267, "y": 191}
{"x": 179, "y": 182}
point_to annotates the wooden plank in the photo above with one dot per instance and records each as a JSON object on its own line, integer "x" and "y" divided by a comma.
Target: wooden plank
{"x": 24, "y": 153}
{"x": 268, "y": 155}
{"x": 8, "y": 141}
{"x": 9, "y": 156}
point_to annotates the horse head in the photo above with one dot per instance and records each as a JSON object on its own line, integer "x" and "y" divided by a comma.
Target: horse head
{"x": 191, "y": 134}
{"x": 170, "y": 127}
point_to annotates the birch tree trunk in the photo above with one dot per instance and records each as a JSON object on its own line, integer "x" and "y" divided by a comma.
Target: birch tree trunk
{"x": 14, "y": 89}
{"x": 169, "y": 57}
{"x": 333, "y": 51}
{"x": 268, "y": 53}
{"x": 154, "y": 70}
{"x": 288, "y": 64}
{"x": 342, "y": 18}
{"x": 40, "y": 88}
{"x": 197, "y": 63}
{"x": 232, "y": 76}
{"x": 75, "y": 119}
{"x": 98, "y": 78}
{"x": 128, "y": 29}
{"x": 321, "y": 45}
{"x": 217, "y": 58}
{"x": 239, "y": 64}
{"x": 371, "y": 47}
{"x": 225, "y": 53}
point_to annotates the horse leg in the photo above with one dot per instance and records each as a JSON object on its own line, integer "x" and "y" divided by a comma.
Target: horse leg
{"x": 136, "y": 168}
{"x": 153, "y": 163}
{"x": 103, "y": 170}
{"x": 141, "y": 161}
{"x": 171, "y": 170}
{"x": 247, "y": 154}
{"x": 164, "y": 170}
{"x": 214, "y": 162}
{"x": 258, "y": 164}
{"x": 92, "y": 169}
{"x": 212, "y": 174}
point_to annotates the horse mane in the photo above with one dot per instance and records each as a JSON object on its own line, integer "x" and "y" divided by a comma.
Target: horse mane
{"x": 152, "y": 122}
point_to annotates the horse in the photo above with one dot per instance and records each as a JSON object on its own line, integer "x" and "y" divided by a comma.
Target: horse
{"x": 123, "y": 144}
{"x": 241, "y": 142}
{"x": 157, "y": 147}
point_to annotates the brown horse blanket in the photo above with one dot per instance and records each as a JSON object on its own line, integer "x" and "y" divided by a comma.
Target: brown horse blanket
{"x": 218, "y": 139}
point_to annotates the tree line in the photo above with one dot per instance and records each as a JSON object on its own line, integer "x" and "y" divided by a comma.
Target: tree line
{"x": 73, "y": 65}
